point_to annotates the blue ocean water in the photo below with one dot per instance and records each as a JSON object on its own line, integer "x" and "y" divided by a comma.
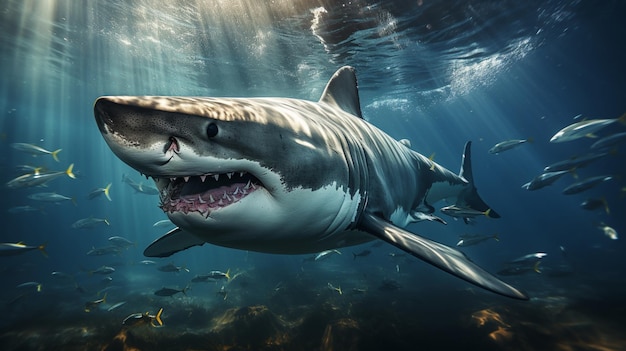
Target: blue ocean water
{"x": 438, "y": 73}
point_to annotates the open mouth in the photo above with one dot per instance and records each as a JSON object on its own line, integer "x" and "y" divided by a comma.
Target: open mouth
{"x": 205, "y": 193}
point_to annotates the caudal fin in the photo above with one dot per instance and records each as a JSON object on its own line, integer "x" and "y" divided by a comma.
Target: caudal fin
{"x": 158, "y": 318}
{"x": 42, "y": 248}
{"x": 106, "y": 191}
{"x": 469, "y": 197}
{"x": 70, "y": 171}
{"x": 55, "y": 154}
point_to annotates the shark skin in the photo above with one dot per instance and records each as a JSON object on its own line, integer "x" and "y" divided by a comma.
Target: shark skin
{"x": 288, "y": 176}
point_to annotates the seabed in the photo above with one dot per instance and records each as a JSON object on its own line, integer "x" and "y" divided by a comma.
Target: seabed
{"x": 296, "y": 318}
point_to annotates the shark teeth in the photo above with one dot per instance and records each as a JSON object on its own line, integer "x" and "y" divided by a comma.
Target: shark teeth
{"x": 204, "y": 193}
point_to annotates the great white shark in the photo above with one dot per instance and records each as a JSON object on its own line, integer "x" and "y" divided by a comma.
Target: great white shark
{"x": 290, "y": 176}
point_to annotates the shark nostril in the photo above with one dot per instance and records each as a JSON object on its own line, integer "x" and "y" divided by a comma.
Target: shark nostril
{"x": 172, "y": 145}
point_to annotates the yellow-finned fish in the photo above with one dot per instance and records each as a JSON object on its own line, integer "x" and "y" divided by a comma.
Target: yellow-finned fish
{"x": 99, "y": 191}
{"x": 90, "y": 305}
{"x": 584, "y": 129}
{"x": 38, "y": 178}
{"x": 89, "y": 222}
{"x": 36, "y": 150}
{"x": 137, "y": 319}
{"x": 13, "y": 249}
{"x": 508, "y": 145}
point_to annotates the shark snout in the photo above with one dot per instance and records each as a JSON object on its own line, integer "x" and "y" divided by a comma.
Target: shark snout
{"x": 101, "y": 114}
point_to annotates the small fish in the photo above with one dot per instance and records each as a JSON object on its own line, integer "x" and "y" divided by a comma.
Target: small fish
{"x": 103, "y": 270}
{"x": 170, "y": 292}
{"x": 147, "y": 189}
{"x": 361, "y": 254}
{"x": 172, "y": 268}
{"x": 574, "y": 162}
{"x": 421, "y": 216}
{"x": 36, "y": 150}
{"x": 90, "y": 305}
{"x": 12, "y": 249}
{"x": 585, "y": 184}
{"x": 86, "y": 223}
{"x": 584, "y": 129}
{"x": 137, "y": 319}
{"x": 594, "y": 204}
{"x": 39, "y": 178}
{"x": 469, "y": 240}
{"x": 105, "y": 250}
{"x": 543, "y": 180}
{"x": 51, "y": 197}
{"x": 608, "y": 231}
{"x": 325, "y": 254}
{"x": 519, "y": 270}
{"x": 38, "y": 287}
{"x": 609, "y": 141}
{"x": 116, "y": 306}
{"x": 508, "y": 145}
{"x": 533, "y": 257}
{"x": 140, "y": 187}
{"x": 464, "y": 212}
{"x": 147, "y": 262}
{"x": 121, "y": 242}
{"x": 99, "y": 191}
{"x": 163, "y": 223}
{"x": 61, "y": 275}
{"x": 216, "y": 275}
{"x": 337, "y": 289}
{"x": 22, "y": 209}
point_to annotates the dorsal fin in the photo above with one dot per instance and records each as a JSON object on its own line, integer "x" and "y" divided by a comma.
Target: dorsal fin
{"x": 342, "y": 91}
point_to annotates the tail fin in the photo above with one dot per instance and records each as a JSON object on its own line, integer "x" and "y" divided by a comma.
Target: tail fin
{"x": 55, "y": 154}
{"x": 106, "y": 191}
{"x": 158, "y": 318}
{"x": 469, "y": 197}
{"x": 228, "y": 278}
{"x": 69, "y": 171}
{"x": 536, "y": 267}
{"x": 42, "y": 248}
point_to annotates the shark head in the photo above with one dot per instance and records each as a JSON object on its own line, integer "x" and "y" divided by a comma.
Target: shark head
{"x": 243, "y": 173}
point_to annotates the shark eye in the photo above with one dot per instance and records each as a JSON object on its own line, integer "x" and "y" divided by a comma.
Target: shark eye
{"x": 211, "y": 130}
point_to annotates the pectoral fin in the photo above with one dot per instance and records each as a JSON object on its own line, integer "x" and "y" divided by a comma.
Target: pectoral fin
{"x": 175, "y": 240}
{"x": 439, "y": 255}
